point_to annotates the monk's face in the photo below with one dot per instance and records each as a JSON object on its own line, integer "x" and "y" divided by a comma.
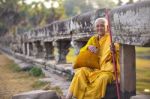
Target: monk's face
{"x": 100, "y": 27}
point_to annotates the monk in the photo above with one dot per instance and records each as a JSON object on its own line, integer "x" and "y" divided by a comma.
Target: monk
{"x": 91, "y": 83}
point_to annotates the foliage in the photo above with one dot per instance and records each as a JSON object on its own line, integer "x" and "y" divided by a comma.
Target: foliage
{"x": 9, "y": 15}
{"x": 35, "y": 71}
{"x": 73, "y": 7}
{"x": 17, "y": 13}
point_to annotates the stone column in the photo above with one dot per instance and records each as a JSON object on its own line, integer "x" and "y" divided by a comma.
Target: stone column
{"x": 43, "y": 50}
{"x": 23, "y": 48}
{"x": 28, "y": 50}
{"x": 49, "y": 50}
{"x": 35, "y": 51}
{"x": 38, "y": 49}
{"x": 61, "y": 48}
{"x": 56, "y": 51}
{"x": 128, "y": 72}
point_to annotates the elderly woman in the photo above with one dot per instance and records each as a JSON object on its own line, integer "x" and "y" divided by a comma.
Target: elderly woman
{"x": 91, "y": 83}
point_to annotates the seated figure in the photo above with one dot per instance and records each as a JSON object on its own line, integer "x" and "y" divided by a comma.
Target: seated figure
{"x": 91, "y": 83}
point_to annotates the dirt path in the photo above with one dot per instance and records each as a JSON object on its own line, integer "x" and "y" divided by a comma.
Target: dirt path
{"x": 12, "y": 82}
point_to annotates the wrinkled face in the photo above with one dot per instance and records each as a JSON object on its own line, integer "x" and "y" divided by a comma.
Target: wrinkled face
{"x": 100, "y": 27}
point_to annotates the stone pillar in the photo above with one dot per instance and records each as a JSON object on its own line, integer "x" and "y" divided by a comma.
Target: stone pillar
{"x": 35, "y": 51}
{"x": 56, "y": 51}
{"x": 49, "y": 50}
{"x": 61, "y": 48}
{"x": 39, "y": 49}
{"x": 23, "y": 48}
{"x": 43, "y": 50}
{"x": 128, "y": 71}
{"x": 28, "y": 50}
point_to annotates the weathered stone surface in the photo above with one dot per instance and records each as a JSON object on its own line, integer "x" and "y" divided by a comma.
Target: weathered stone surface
{"x": 130, "y": 24}
{"x": 37, "y": 94}
{"x": 25, "y": 66}
{"x": 127, "y": 71}
{"x": 140, "y": 97}
{"x": 81, "y": 25}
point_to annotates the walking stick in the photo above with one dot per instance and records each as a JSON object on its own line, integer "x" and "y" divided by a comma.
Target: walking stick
{"x": 113, "y": 55}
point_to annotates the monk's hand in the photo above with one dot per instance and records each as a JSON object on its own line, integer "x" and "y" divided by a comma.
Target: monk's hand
{"x": 92, "y": 48}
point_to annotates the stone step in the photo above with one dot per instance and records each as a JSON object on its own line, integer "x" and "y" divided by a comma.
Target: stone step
{"x": 37, "y": 94}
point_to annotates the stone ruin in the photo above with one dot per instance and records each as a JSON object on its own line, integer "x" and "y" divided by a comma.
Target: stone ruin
{"x": 54, "y": 40}
{"x": 129, "y": 25}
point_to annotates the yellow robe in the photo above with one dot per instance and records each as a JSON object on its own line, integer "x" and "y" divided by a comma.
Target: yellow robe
{"x": 91, "y": 83}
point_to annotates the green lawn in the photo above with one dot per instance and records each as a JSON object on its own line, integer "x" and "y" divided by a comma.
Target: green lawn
{"x": 143, "y": 75}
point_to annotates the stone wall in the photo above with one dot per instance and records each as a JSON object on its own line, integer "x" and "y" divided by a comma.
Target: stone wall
{"x": 130, "y": 24}
{"x": 54, "y": 40}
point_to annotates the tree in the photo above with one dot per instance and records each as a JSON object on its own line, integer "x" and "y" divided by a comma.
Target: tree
{"x": 9, "y": 15}
{"x": 16, "y": 14}
{"x": 73, "y": 7}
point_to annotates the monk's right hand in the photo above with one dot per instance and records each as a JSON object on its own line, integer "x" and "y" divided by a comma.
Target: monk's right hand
{"x": 92, "y": 48}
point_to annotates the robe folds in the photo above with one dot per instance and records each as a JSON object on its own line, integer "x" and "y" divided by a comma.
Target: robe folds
{"x": 91, "y": 83}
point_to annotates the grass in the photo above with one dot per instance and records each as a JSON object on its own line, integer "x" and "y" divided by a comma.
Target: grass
{"x": 39, "y": 84}
{"x": 36, "y": 72}
{"x": 14, "y": 81}
{"x": 143, "y": 76}
{"x": 143, "y": 70}
{"x": 71, "y": 56}
{"x": 14, "y": 67}
{"x": 142, "y": 50}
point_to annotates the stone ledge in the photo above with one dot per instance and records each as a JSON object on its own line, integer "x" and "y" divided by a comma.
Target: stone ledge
{"x": 37, "y": 94}
{"x": 60, "y": 69}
